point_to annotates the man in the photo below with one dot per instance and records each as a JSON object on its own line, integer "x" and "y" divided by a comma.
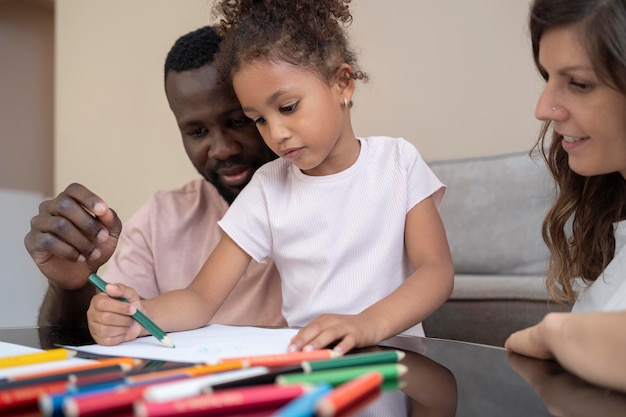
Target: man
{"x": 162, "y": 247}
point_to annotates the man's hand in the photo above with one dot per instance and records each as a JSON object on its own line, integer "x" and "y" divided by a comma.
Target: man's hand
{"x": 72, "y": 236}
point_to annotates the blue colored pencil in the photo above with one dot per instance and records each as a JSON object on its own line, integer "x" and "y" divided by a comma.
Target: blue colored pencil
{"x": 304, "y": 405}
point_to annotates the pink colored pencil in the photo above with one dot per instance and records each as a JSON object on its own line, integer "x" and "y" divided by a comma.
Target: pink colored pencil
{"x": 231, "y": 400}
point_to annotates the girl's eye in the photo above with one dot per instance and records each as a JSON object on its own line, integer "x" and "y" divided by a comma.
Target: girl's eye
{"x": 259, "y": 121}
{"x": 290, "y": 108}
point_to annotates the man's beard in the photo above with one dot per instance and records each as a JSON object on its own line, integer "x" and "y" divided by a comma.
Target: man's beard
{"x": 227, "y": 194}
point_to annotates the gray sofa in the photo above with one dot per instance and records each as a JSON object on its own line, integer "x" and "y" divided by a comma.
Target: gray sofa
{"x": 492, "y": 211}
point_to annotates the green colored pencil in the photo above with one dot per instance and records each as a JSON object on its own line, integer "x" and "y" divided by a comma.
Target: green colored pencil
{"x": 353, "y": 359}
{"x": 335, "y": 377}
{"x": 141, "y": 318}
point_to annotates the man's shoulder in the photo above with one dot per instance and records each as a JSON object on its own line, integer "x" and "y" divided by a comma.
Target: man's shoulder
{"x": 193, "y": 200}
{"x": 194, "y": 190}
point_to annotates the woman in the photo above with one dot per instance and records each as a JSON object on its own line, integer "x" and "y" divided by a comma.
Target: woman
{"x": 579, "y": 48}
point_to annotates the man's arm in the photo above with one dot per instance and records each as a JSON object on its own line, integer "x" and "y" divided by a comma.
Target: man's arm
{"x": 61, "y": 307}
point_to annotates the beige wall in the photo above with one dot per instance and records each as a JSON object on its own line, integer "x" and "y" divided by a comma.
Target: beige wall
{"x": 454, "y": 77}
{"x": 26, "y": 88}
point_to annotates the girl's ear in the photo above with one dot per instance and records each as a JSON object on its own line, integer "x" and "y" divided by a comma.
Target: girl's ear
{"x": 344, "y": 81}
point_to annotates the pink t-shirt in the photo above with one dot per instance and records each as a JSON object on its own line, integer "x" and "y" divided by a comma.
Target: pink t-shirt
{"x": 164, "y": 245}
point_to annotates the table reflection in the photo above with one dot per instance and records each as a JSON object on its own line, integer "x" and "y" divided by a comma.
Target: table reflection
{"x": 564, "y": 394}
{"x": 427, "y": 390}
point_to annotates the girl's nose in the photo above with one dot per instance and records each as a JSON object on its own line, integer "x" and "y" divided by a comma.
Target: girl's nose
{"x": 277, "y": 132}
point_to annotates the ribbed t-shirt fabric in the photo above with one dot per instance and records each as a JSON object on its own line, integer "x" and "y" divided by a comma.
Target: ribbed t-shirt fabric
{"x": 337, "y": 240}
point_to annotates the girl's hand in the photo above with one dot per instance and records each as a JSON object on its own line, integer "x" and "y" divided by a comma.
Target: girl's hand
{"x": 110, "y": 321}
{"x": 349, "y": 331}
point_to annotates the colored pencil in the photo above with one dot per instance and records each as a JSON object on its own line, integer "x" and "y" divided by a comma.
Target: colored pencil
{"x": 232, "y": 400}
{"x": 195, "y": 386}
{"x": 51, "y": 404}
{"x": 187, "y": 371}
{"x": 283, "y": 359}
{"x": 121, "y": 397}
{"x": 355, "y": 359}
{"x": 267, "y": 378}
{"x": 50, "y": 355}
{"x": 349, "y": 393}
{"x": 304, "y": 405}
{"x": 67, "y": 377}
{"x": 312, "y": 366}
{"x": 141, "y": 318}
{"x": 113, "y": 400}
{"x": 126, "y": 363}
{"x": 339, "y": 376}
{"x": 25, "y": 397}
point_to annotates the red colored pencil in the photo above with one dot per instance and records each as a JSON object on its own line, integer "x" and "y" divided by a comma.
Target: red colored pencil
{"x": 349, "y": 393}
{"x": 283, "y": 359}
{"x": 231, "y": 400}
{"x": 29, "y": 395}
{"x": 107, "y": 401}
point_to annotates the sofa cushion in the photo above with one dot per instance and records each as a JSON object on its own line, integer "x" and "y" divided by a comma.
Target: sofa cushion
{"x": 493, "y": 210}
{"x": 499, "y": 287}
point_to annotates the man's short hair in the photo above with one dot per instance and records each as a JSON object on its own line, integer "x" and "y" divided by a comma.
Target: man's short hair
{"x": 193, "y": 50}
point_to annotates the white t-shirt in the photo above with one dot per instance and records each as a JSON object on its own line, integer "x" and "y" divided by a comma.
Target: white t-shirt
{"x": 608, "y": 292}
{"x": 337, "y": 240}
{"x": 164, "y": 245}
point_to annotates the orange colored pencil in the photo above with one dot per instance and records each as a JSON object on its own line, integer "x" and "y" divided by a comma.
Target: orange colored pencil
{"x": 348, "y": 394}
{"x": 284, "y": 359}
{"x": 190, "y": 371}
{"x": 125, "y": 363}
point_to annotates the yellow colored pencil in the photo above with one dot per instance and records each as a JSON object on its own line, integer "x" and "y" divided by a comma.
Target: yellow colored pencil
{"x": 50, "y": 355}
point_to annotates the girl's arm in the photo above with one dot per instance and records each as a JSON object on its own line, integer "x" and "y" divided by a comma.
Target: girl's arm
{"x": 177, "y": 310}
{"x": 425, "y": 290}
{"x": 590, "y": 345}
{"x": 431, "y": 283}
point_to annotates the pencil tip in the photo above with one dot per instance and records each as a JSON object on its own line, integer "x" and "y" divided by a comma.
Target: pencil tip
{"x": 166, "y": 340}
{"x": 402, "y": 369}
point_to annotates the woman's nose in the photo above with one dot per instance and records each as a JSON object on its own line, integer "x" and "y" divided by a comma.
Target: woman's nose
{"x": 548, "y": 107}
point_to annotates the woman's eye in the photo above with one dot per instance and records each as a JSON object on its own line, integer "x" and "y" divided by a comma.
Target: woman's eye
{"x": 259, "y": 120}
{"x": 579, "y": 85}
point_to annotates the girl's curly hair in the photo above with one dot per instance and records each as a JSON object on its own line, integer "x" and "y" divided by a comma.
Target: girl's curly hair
{"x": 304, "y": 33}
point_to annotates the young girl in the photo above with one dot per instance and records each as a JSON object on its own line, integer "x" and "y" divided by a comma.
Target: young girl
{"x": 351, "y": 223}
{"x": 580, "y": 50}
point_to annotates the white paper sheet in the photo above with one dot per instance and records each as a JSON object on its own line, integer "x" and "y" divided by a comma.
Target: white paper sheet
{"x": 206, "y": 345}
{"x": 11, "y": 349}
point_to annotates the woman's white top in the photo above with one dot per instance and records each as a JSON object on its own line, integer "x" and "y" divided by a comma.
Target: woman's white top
{"x": 608, "y": 292}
